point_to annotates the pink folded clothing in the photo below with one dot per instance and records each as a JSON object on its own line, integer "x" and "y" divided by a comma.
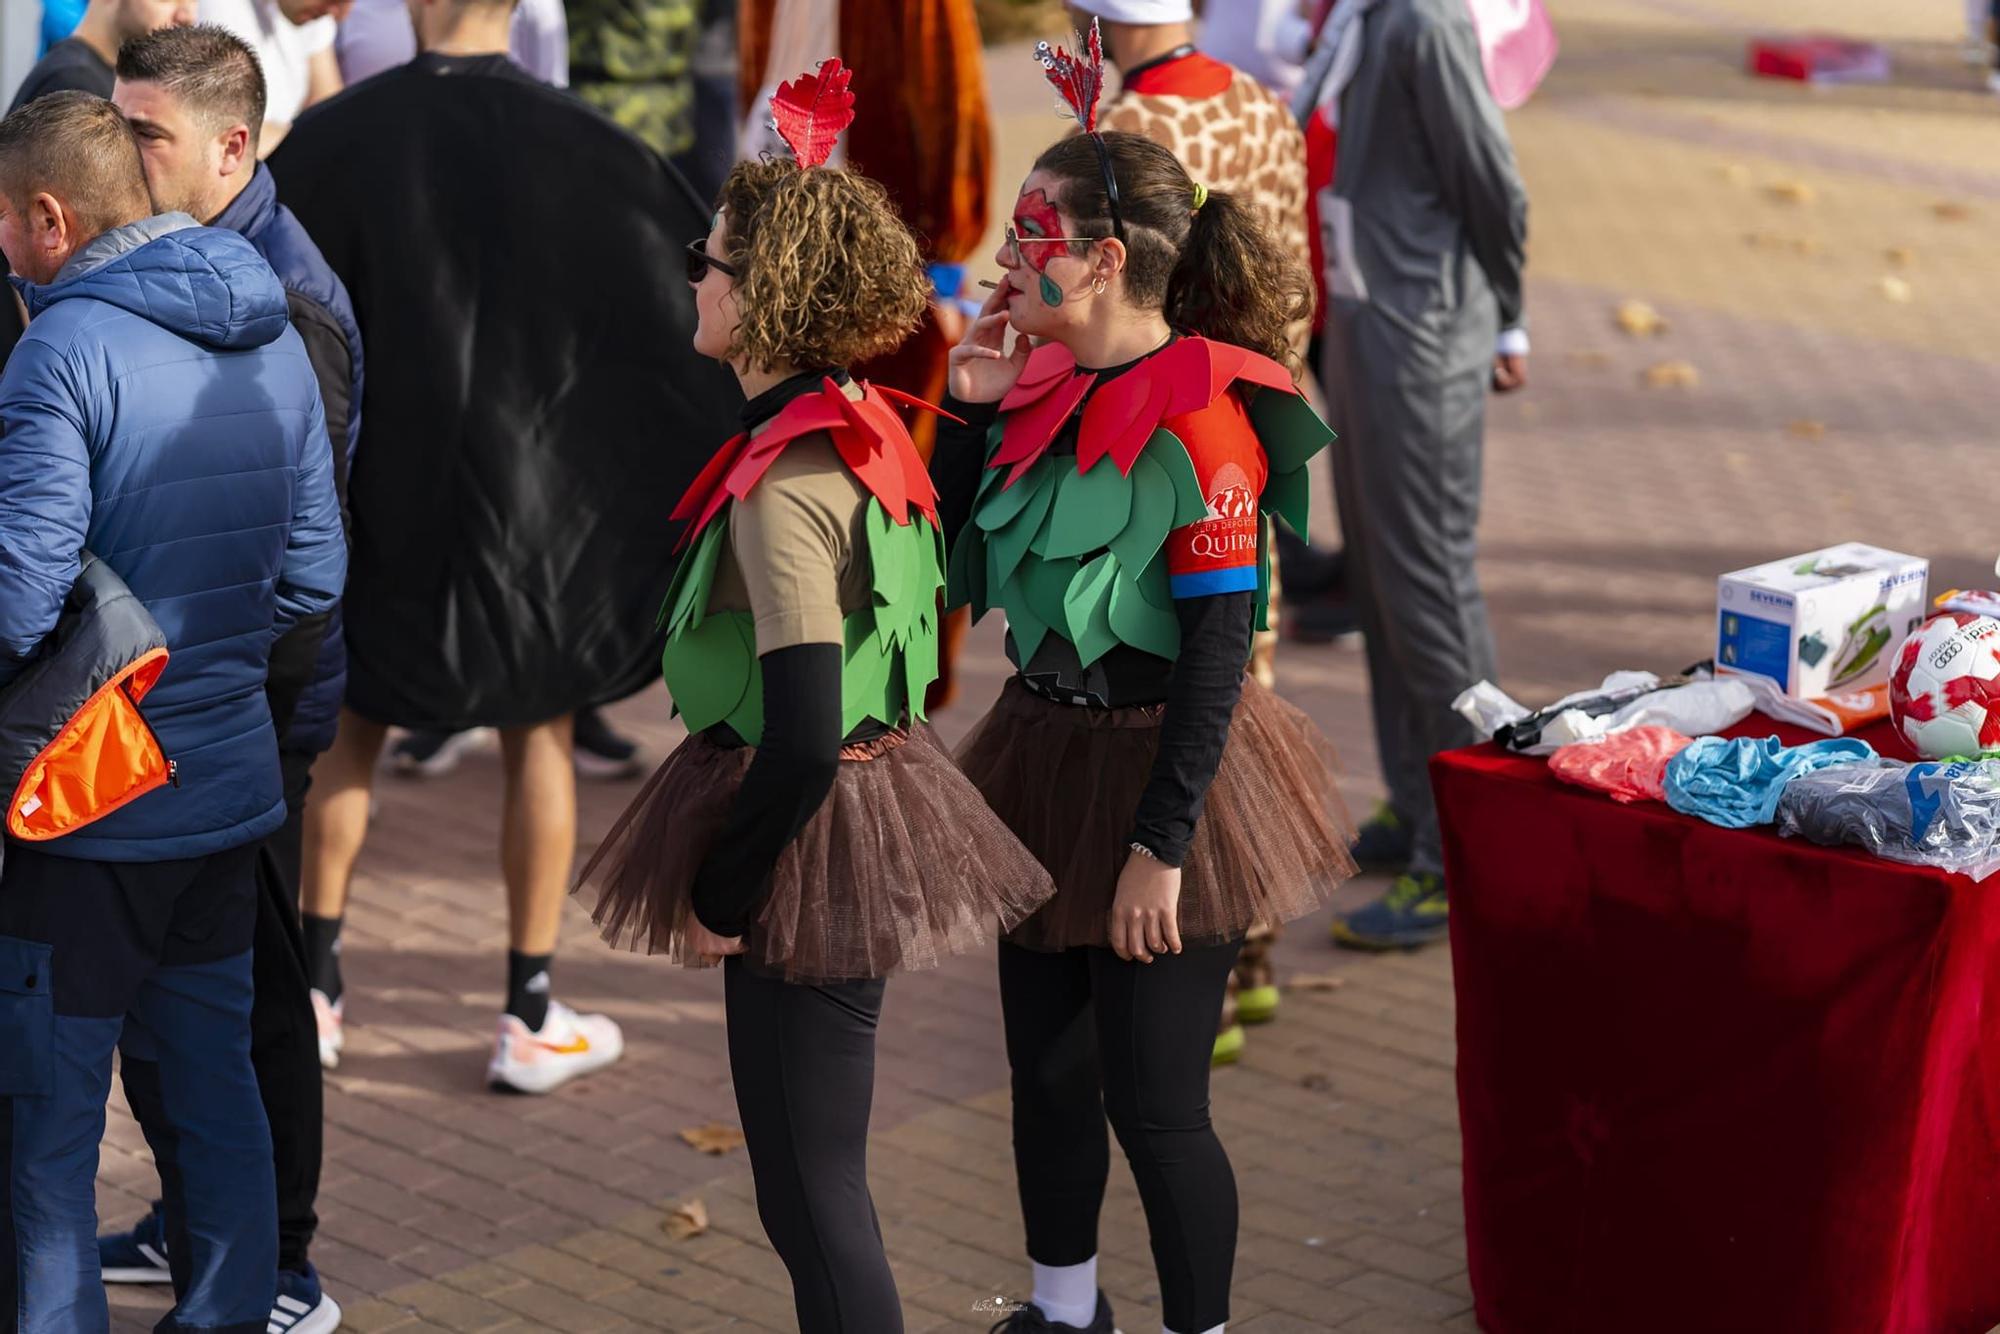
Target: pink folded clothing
{"x": 1631, "y": 766}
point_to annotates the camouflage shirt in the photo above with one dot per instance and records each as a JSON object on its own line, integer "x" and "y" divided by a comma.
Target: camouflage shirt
{"x": 632, "y": 60}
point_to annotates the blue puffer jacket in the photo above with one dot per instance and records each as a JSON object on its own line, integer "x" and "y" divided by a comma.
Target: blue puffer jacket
{"x": 161, "y": 410}
{"x": 324, "y": 318}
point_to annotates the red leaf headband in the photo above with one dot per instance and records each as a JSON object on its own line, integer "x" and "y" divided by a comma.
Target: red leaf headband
{"x": 1081, "y": 83}
{"x": 810, "y": 112}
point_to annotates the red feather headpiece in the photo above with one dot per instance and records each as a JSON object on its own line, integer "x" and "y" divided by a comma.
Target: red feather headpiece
{"x": 810, "y": 112}
{"x": 1081, "y": 82}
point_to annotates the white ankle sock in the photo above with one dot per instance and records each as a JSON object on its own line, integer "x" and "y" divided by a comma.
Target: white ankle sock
{"x": 1067, "y": 1294}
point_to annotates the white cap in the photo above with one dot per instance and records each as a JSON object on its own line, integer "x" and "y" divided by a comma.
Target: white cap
{"x": 1138, "y": 11}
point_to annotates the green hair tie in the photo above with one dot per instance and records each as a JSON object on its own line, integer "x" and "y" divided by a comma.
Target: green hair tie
{"x": 1200, "y": 195}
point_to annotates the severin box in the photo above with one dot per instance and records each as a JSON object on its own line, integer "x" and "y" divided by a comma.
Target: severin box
{"x": 1821, "y": 623}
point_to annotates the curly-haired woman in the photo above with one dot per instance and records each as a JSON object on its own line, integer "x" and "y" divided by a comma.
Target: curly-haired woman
{"x": 1111, "y": 499}
{"x": 811, "y": 834}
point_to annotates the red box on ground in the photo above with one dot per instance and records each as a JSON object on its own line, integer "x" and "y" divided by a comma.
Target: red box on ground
{"x": 1713, "y": 1079}
{"x": 1818, "y": 60}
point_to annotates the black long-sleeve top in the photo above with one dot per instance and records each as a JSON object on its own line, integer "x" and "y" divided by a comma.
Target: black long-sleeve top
{"x": 1199, "y": 688}
{"x": 798, "y": 756}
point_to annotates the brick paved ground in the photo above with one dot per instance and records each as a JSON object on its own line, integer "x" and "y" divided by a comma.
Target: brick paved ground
{"x": 1611, "y": 507}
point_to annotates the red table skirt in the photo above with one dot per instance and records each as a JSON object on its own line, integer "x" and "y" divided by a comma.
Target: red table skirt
{"x": 1714, "y": 1080}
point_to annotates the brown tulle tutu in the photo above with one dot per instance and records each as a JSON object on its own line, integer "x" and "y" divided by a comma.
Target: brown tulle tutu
{"x": 902, "y": 865}
{"x": 1271, "y": 844}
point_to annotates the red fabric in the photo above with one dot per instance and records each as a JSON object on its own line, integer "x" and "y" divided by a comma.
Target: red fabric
{"x": 1711, "y": 1079}
{"x": 1628, "y": 766}
{"x": 1322, "y": 152}
{"x": 1193, "y": 75}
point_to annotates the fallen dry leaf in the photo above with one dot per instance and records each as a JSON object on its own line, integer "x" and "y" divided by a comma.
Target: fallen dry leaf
{"x": 1894, "y": 288}
{"x": 1807, "y": 245}
{"x": 714, "y": 1138}
{"x": 1315, "y": 1081}
{"x": 1639, "y": 319}
{"x": 1806, "y": 429}
{"x": 1736, "y": 174}
{"x": 1672, "y": 375}
{"x": 1900, "y": 256}
{"x": 689, "y": 1220}
{"x": 1948, "y": 211}
{"x": 1315, "y": 982}
{"x": 1791, "y": 192}
{"x": 1736, "y": 461}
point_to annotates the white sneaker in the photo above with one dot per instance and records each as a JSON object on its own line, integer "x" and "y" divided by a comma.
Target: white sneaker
{"x": 569, "y": 1044}
{"x": 332, "y": 1028}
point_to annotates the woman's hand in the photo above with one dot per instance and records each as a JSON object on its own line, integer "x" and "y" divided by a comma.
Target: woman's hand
{"x": 982, "y": 369}
{"x": 1145, "y": 914}
{"x": 710, "y": 948}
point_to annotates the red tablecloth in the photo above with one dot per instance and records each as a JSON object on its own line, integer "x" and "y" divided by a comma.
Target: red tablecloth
{"x": 1714, "y": 1080}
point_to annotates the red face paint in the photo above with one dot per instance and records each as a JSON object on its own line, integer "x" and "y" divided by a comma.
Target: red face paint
{"x": 1035, "y": 216}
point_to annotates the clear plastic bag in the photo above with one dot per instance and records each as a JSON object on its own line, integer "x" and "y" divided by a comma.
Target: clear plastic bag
{"x": 1943, "y": 815}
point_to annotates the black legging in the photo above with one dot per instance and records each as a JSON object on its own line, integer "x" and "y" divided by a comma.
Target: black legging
{"x": 803, "y": 1061}
{"x": 1091, "y": 1036}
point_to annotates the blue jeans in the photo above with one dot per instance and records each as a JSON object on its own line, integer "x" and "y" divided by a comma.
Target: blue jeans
{"x": 156, "y": 954}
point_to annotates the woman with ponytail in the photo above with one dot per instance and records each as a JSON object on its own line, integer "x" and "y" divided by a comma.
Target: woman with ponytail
{"x": 1108, "y": 491}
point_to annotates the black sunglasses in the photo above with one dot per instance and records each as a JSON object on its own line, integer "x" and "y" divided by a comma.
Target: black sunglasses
{"x": 699, "y": 261}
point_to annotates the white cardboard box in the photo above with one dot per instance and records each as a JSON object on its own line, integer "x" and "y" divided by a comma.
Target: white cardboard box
{"x": 1825, "y": 622}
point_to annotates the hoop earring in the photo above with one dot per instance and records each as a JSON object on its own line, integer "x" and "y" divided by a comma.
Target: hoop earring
{"x": 1097, "y": 288}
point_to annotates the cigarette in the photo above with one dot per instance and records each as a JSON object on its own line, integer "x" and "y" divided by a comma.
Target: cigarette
{"x": 989, "y": 285}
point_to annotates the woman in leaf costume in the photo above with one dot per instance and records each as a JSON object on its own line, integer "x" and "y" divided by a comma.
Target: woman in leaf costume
{"x": 1108, "y": 492}
{"x": 811, "y": 833}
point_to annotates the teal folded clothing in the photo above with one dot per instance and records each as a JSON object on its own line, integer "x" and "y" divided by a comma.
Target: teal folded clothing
{"x": 1736, "y": 782}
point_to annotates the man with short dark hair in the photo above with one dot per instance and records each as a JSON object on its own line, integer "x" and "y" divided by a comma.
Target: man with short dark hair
{"x": 159, "y": 411}
{"x": 195, "y": 100}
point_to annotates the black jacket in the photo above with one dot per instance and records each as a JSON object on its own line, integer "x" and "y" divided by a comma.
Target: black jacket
{"x": 73, "y": 745}
{"x": 533, "y": 407}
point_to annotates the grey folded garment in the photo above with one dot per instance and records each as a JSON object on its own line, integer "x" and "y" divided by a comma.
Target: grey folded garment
{"x": 1943, "y": 815}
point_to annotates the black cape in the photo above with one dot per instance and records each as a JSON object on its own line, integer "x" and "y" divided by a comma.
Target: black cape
{"x": 533, "y": 408}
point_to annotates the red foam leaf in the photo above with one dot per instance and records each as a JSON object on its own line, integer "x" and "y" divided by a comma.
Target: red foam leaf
{"x": 810, "y": 112}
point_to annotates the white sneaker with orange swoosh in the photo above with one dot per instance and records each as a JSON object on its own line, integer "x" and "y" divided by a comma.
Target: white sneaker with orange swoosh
{"x": 568, "y": 1045}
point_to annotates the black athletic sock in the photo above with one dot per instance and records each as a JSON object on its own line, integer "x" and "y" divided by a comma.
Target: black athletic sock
{"x": 322, "y": 937}
{"x": 528, "y": 987}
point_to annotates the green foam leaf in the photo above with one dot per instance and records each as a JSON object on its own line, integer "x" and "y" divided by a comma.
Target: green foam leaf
{"x": 1262, "y": 604}
{"x": 966, "y": 586}
{"x": 1291, "y": 432}
{"x": 687, "y": 599}
{"x": 1087, "y": 609}
{"x": 999, "y": 507}
{"x": 1152, "y": 515}
{"x": 1045, "y": 585}
{"x": 1091, "y": 508}
{"x": 1154, "y": 584}
{"x": 708, "y": 668}
{"x": 1011, "y": 542}
{"x": 1139, "y": 623}
{"x": 1289, "y": 496}
{"x": 1166, "y": 449}
{"x": 1027, "y": 628}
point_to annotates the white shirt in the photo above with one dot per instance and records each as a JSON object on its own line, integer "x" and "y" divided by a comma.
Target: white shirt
{"x": 285, "y": 49}
{"x": 376, "y": 35}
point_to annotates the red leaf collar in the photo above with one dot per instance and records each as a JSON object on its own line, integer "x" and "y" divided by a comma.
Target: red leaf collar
{"x": 870, "y": 438}
{"x": 1186, "y": 376}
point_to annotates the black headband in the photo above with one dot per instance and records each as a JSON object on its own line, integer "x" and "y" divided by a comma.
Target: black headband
{"x": 1110, "y": 185}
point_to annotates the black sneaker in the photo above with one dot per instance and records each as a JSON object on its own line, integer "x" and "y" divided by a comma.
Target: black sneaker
{"x": 1383, "y": 842}
{"x": 601, "y": 753}
{"x": 1030, "y": 1320}
{"x": 138, "y": 1256}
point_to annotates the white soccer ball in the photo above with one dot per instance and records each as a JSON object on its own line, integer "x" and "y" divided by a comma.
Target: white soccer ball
{"x": 1944, "y": 689}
